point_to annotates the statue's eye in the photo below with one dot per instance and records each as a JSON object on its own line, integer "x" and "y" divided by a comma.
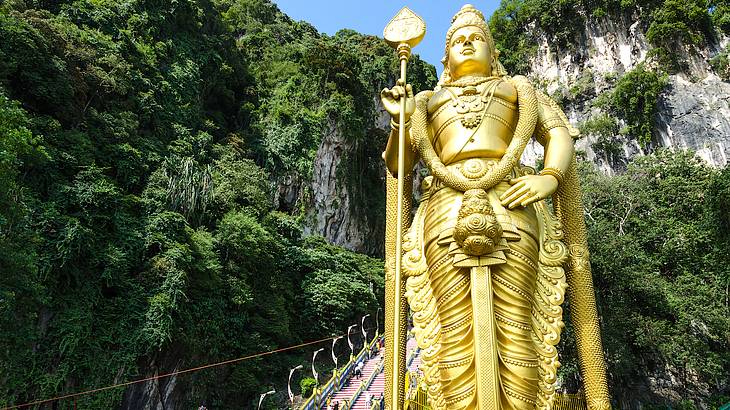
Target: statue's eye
{"x": 478, "y": 38}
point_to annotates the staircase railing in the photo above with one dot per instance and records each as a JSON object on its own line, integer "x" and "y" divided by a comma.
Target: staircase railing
{"x": 414, "y": 353}
{"x": 338, "y": 379}
{"x": 366, "y": 350}
{"x": 364, "y": 385}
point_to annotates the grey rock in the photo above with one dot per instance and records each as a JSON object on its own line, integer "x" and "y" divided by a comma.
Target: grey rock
{"x": 331, "y": 212}
{"x": 696, "y": 116}
{"x": 693, "y": 111}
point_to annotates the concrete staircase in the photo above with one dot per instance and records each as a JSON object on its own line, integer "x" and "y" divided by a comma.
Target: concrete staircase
{"x": 378, "y": 385}
{"x": 348, "y": 391}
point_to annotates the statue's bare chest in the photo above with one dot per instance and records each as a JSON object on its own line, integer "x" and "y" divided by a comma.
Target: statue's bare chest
{"x": 469, "y": 122}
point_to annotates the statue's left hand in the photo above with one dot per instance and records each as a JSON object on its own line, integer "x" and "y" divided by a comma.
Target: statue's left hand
{"x": 528, "y": 189}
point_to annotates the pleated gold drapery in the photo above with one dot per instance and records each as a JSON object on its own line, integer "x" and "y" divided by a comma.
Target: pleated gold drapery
{"x": 527, "y": 288}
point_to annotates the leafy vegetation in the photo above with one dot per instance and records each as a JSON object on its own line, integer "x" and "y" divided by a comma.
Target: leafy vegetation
{"x": 635, "y": 99}
{"x": 307, "y": 386}
{"x": 139, "y": 228}
{"x": 660, "y": 264}
{"x": 721, "y": 64}
{"x": 605, "y": 129}
{"x": 720, "y": 11}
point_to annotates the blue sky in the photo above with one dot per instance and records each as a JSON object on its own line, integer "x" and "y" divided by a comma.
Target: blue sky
{"x": 370, "y": 17}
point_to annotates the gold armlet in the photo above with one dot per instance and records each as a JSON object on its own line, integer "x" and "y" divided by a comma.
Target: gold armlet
{"x": 544, "y": 129}
{"x": 558, "y": 174}
{"x": 394, "y": 125}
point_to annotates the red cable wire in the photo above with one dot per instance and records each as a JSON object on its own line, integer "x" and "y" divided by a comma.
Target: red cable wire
{"x": 194, "y": 369}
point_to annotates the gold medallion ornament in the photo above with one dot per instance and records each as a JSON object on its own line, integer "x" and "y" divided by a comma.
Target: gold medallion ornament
{"x": 486, "y": 262}
{"x": 477, "y": 230}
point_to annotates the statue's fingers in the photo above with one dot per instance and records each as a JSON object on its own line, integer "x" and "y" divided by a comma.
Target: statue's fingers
{"x": 518, "y": 179}
{"x": 409, "y": 90}
{"x": 396, "y": 91}
{"x": 511, "y": 190}
{"x": 515, "y": 195}
{"x": 522, "y": 199}
{"x": 529, "y": 200}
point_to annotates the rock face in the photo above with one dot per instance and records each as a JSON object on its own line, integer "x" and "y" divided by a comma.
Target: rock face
{"x": 156, "y": 394}
{"x": 693, "y": 109}
{"x": 696, "y": 116}
{"x": 335, "y": 209}
{"x": 607, "y": 46}
{"x": 331, "y": 214}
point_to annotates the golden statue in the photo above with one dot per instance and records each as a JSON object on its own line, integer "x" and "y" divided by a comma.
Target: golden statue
{"x": 486, "y": 261}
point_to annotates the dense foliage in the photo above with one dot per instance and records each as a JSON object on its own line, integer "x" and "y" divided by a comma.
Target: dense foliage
{"x": 634, "y": 99}
{"x": 141, "y": 229}
{"x": 141, "y": 145}
{"x": 659, "y": 241}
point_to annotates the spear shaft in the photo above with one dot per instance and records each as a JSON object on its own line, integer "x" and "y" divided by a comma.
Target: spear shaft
{"x": 403, "y": 32}
{"x": 404, "y": 52}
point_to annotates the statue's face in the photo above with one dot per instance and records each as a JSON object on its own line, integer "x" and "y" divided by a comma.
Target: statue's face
{"x": 469, "y": 53}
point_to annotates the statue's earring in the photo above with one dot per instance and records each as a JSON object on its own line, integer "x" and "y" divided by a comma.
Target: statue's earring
{"x": 445, "y": 75}
{"x": 497, "y": 67}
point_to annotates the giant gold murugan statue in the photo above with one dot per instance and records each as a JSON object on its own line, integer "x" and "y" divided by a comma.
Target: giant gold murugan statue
{"x": 487, "y": 260}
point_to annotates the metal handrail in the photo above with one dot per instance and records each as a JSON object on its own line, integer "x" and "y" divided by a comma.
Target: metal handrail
{"x": 337, "y": 380}
{"x": 365, "y": 350}
{"x": 364, "y": 385}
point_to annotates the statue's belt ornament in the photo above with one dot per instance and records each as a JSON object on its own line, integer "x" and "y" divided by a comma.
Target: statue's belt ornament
{"x": 477, "y": 230}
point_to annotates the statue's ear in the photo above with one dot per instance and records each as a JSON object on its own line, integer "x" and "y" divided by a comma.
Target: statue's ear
{"x": 498, "y": 69}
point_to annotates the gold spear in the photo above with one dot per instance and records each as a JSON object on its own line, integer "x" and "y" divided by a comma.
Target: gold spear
{"x": 403, "y": 32}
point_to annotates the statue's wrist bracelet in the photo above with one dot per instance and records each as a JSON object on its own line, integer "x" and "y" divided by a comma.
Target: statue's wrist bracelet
{"x": 395, "y": 125}
{"x": 554, "y": 172}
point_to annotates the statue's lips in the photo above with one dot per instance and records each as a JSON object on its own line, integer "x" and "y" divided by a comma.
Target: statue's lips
{"x": 468, "y": 51}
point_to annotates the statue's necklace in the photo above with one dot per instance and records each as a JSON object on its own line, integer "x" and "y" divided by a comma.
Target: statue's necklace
{"x": 472, "y": 105}
{"x": 469, "y": 81}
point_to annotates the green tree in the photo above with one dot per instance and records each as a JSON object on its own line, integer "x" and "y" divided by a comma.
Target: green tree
{"x": 660, "y": 267}
{"x": 635, "y": 99}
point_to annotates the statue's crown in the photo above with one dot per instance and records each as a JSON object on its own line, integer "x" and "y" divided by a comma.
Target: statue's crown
{"x": 467, "y": 16}
{"x": 468, "y": 11}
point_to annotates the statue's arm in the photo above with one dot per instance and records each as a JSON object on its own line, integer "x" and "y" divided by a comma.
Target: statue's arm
{"x": 552, "y": 132}
{"x": 390, "y": 155}
{"x": 390, "y": 99}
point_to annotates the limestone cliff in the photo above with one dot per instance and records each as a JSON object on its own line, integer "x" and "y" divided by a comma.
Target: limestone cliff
{"x": 333, "y": 213}
{"x": 693, "y": 109}
{"x": 343, "y": 198}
